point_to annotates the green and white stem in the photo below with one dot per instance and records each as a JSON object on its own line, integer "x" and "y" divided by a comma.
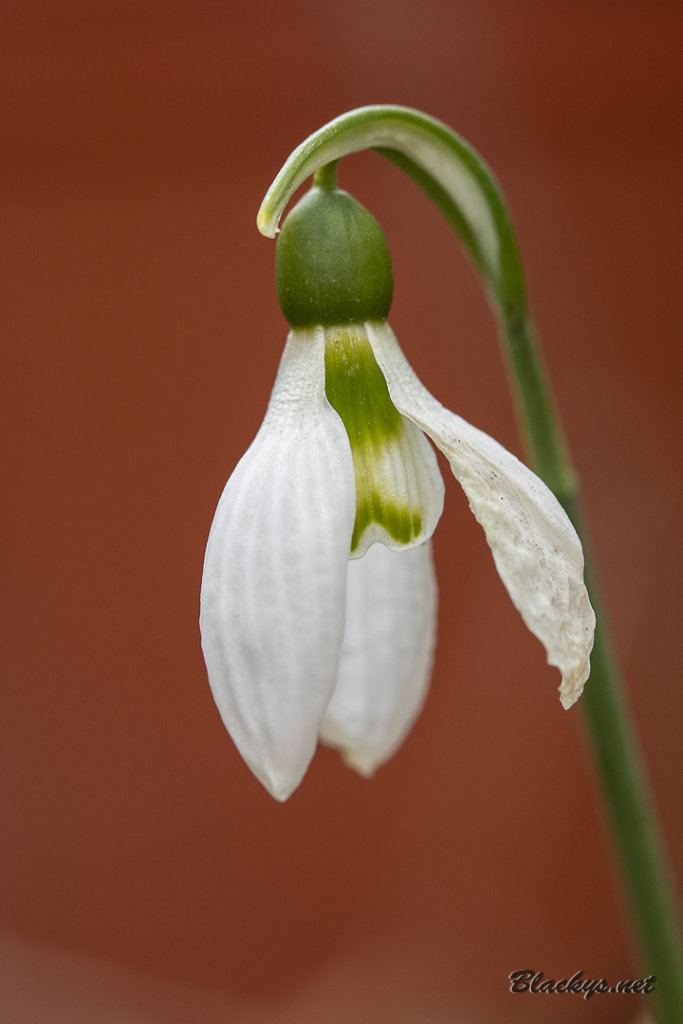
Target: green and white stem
{"x": 456, "y": 178}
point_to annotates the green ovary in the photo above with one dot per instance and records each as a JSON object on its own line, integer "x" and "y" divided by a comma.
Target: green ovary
{"x": 356, "y": 389}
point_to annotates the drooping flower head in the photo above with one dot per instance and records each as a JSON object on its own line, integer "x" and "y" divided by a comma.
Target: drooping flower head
{"x": 318, "y": 607}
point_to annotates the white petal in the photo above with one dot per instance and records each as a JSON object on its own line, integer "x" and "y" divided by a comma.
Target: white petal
{"x": 386, "y": 656}
{"x": 405, "y": 475}
{"x": 537, "y": 552}
{"x": 399, "y": 489}
{"x": 273, "y": 590}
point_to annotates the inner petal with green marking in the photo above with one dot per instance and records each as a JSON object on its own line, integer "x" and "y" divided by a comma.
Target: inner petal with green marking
{"x": 399, "y": 490}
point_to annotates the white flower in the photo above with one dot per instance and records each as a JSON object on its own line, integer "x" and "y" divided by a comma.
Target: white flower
{"x": 307, "y": 634}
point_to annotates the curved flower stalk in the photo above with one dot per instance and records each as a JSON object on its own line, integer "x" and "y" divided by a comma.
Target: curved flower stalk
{"x": 318, "y": 607}
{"x": 456, "y": 178}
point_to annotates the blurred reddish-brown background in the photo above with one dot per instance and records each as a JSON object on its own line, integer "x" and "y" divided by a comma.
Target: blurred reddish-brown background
{"x": 145, "y": 874}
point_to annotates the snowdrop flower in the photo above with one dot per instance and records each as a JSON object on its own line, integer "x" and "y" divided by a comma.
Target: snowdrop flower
{"x": 318, "y": 603}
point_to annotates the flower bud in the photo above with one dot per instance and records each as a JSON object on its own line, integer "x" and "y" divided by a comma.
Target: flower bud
{"x": 332, "y": 264}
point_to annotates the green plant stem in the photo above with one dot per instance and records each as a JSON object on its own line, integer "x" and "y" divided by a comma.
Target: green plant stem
{"x": 461, "y": 185}
{"x": 616, "y": 752}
